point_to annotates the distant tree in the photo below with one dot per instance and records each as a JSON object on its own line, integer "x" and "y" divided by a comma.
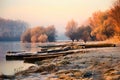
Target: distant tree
{"x": 43, "y": 38}
{"x": 26, "y": 36}
{"x": 51, "y": 33}
{"x": 11, "y": 30}
{"x": 71, "y": 29}
{"x": 34, "y": 39}
{"x": 37, "y": 31}
{"x": 39, "y": 34}
{"x": 83, "y": 32}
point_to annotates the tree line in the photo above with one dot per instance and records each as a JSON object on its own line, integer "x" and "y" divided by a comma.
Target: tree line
{"x": 75, "y": 32}
{"x": 102, "y": 26}
{"x": 39, "y": 34}
{"x": 11, "y": 30}
{"x": 106, "y": 25}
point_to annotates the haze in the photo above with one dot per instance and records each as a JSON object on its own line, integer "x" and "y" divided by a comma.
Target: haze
{"x": 51, "y": 12}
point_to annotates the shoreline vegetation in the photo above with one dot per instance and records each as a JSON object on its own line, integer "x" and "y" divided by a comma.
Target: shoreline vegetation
{"x": 79, "y": 64}
{"x": 71, "y": 61}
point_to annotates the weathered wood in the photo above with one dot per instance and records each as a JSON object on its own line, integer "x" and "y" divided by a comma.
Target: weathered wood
{"x": 13, "y": 55}
{"x": 11, "y": 52}
{"x": 99, "y": 45}
{"x": 35, "y": 58}
{"x": 55, "y": 50}
{"x": 32, "y": 59}
{"x": 52, "y": 46}
{"x": 7, "y": 77}
{"x": 18, "y": 56}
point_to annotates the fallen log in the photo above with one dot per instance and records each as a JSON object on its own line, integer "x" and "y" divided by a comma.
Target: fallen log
{"x": 18, "y": 56}
{"x": 99, "y": 45}
{"x": 11, "y": 52}
{"x": 62, "y": 50}
{"x": 52, "y": 46}
{"x": 7, "y": 77}
{"x": 33, "y": 59}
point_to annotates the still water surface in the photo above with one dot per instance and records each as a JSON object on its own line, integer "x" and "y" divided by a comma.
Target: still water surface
{"x": 11, "y": 67}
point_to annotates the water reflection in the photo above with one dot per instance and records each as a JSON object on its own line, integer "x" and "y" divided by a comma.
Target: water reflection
{"x": 31, "y": 47}
{"x": 12, "y": 67}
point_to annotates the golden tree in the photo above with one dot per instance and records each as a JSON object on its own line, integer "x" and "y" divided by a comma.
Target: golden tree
{"x": 42, "y": 38}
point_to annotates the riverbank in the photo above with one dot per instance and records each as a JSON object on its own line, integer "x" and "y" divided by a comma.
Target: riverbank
{"x": 89, "y": 64}
{"x": 93, "y": 64}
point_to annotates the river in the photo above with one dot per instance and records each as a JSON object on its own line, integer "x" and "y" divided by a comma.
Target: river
{"x": 11, "y": 67}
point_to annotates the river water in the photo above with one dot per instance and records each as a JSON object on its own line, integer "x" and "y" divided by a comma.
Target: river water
{"x": 11, "y": 67}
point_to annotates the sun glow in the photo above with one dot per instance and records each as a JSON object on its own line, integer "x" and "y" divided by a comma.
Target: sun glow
{"x": 56, "y": 12}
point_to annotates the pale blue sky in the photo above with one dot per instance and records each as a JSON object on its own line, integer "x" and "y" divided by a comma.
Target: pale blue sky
{"x": 48, "y": 12}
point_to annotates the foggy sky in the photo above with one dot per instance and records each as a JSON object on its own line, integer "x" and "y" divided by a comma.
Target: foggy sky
{"x": 48, "y": 12}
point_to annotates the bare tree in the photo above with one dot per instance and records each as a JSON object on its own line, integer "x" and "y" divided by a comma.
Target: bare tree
{"x": 83, "y": 32}
{"x": 51, "y": 33}
{"x": 71, "y": 30}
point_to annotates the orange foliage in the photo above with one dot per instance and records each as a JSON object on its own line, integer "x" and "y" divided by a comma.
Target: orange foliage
{"x": 39, "y": 34}
{"x": 42, "y": 38}
{"x": 34, "y": 39}
{"x": 106, "y": 25}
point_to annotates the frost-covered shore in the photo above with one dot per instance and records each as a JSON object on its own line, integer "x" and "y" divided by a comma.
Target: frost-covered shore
{"x": 88, "y": 64}
{"x": 92, "y": 64}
